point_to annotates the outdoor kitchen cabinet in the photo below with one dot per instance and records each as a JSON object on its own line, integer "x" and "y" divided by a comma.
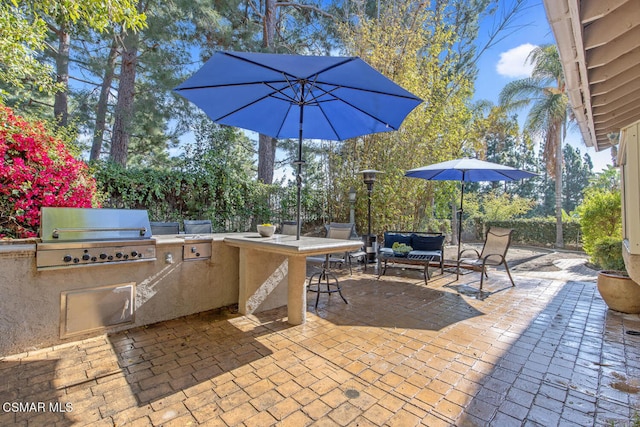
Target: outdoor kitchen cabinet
{"x": 165, "y": 288}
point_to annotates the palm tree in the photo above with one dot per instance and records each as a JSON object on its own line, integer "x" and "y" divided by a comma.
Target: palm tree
{"x": 544, "y": 92}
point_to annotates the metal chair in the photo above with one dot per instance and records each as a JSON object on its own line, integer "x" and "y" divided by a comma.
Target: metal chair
{"x": 158, "y": 227}
{"x": 327, "y": 282}
{"x": 289, "y": 228}
{"x": 335, "y": 230}
{"x": 494, "y": 253}
{"x": 342, "y": 231}
{"x": 198, "y": 226}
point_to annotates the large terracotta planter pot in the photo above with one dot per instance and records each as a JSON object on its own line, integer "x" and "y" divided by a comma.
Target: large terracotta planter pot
{"x": 619, "y": 291}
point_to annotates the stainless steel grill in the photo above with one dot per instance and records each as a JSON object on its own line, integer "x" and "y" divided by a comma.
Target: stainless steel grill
{"x": 75, "y": 237}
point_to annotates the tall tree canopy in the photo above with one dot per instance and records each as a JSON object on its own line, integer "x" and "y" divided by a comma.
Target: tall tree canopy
{"x": 544, "y": 92}
{"x": 25, "y": 26}
{"x": 426, "y": 47}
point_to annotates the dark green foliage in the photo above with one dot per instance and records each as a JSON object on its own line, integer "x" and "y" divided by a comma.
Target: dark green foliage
{"x": 173, "y": 195}
{"x": 167, "y": 195}
{"x": 538, "y": 231}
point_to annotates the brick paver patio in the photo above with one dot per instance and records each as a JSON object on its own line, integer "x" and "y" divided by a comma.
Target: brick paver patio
{"x": 545, "y": 353}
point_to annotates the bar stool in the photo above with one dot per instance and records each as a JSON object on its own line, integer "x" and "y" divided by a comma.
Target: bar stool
{"x": 327, "y": 282}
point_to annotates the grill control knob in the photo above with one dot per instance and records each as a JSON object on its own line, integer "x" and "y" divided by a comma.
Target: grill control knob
{"x": 67, "y": 258}
{"x": 110, "y": 257}
{"x": 118, "y": 254}
{"x": 76, "y": 260}
{"x": 94, "y": 259}
{"x": 103, "y": 256}
{"x": 134, "y": 253}
{"x": 126, "y": 256}
{"x": 86, "y": 257}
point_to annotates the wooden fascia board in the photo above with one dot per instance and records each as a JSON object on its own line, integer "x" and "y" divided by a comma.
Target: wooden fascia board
{"x": 614, "y": 95}
{"x": 626, "y": 101}
{"x": 617, "y": 121}
{"x": 612, "y": 25}
{"x": 615, "y": 82}
{"x": 622, "y": 46}
{"x": 590, "y": 10}
{"x": 628, "y": 61}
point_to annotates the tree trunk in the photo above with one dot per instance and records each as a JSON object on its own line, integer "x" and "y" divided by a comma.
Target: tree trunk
{"x": 266, "y": 144}
{"x": 266, "y": 158}
{"x": 60, "y": 105}
{"x": 103, "y": 101}
{"x": 124, "y": 106}
{"x": 269, "y": 25}
{"x": 559, "y": 236}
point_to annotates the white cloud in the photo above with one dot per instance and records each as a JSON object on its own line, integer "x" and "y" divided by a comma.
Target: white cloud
{"x": 513, "y": 63}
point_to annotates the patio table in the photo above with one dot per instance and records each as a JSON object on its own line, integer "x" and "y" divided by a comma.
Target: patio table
{"x": 261, "y": 267}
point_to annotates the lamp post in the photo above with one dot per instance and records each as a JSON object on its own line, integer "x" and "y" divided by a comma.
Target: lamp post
{"x": 352, "y": 202}
{"x": 369, "y": 177}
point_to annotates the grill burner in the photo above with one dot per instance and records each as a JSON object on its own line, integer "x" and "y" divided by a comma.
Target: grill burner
{"x": 74, "y": 237}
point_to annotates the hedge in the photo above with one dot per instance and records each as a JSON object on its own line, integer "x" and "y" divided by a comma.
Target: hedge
{"x": 539, "y": 232}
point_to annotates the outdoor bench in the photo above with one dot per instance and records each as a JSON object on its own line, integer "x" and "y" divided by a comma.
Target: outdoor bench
{"x": 426, "y": 247}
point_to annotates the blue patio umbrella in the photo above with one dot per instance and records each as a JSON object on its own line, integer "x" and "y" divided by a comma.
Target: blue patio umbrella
{"x": 468, "y": 170}
{"x": 289, "y": 96}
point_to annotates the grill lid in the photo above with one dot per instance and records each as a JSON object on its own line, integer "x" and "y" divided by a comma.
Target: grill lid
{"x": 86, "y": 224}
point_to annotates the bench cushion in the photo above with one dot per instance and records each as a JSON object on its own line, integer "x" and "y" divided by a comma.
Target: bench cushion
{"x": 426, "y": 243}
{"x": 386, "y": 252}
{"x": 391, "y": 238}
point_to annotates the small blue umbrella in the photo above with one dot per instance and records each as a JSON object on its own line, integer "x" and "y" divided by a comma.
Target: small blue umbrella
{"x": 468, "y": 170}
{"x": 288, "y": 96}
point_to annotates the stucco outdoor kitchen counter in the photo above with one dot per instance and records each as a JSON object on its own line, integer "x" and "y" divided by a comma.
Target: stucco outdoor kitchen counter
{"x": 267, "y": 262}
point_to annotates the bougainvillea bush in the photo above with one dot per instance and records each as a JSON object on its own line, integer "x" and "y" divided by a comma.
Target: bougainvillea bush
{"x": 36, "y": 170}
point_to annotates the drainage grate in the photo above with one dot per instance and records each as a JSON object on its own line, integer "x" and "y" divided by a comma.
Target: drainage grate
{"x": 352, "y": 394}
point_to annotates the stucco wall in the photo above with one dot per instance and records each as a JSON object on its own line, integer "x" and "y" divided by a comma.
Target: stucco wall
{"x": 629, "y": 155}
{"x": 30, "y": 300}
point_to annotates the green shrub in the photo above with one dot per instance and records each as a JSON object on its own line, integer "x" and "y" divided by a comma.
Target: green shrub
{"x": 600, "y": 218}
{"x": 537, "y": 231}
{"x": 607, "y": 254}
{"x": 601, "y": 225}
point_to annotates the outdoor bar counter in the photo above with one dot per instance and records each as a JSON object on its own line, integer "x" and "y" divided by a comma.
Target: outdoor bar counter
{"x": 189, "y": 274}
{"x": 267, "y": 262}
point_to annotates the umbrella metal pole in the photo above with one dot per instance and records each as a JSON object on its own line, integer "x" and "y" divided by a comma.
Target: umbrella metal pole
{"x": 299, "y": 163}
{"x": 299, "y": 183}
{"x": 460, "y": 218}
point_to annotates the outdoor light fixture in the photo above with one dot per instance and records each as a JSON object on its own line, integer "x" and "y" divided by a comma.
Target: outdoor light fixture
{"x": 369, "y": 177}
{"x": 352, "y": 195}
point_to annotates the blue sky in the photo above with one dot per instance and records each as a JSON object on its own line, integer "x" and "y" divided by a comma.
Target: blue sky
{"x": 506, "y": 61}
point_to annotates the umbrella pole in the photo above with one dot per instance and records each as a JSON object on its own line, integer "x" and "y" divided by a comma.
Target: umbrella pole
{"x": 299, "y": 164}
{"x": 460, "y": 218}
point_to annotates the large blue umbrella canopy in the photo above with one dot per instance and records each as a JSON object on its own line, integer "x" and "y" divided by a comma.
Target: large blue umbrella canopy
{"x": 287, "y": 96}
{"x": 468, "y": 170}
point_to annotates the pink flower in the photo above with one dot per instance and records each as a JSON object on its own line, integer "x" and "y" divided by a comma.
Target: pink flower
{"x": 36, "y": 170}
